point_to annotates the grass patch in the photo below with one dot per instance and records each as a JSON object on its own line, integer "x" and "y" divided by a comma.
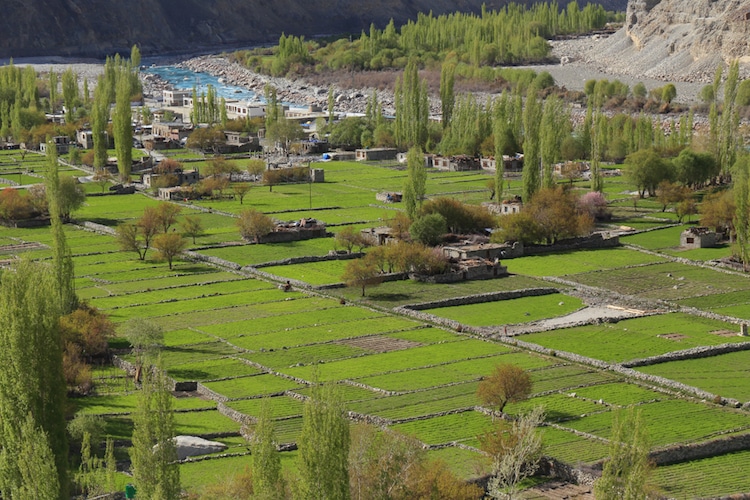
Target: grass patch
{"x": 635, "y": 338}
{"x": 580, "y": 261}
{"x": 521, "y": 310}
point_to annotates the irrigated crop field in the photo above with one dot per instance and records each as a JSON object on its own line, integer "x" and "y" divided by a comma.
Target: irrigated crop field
{"x": 238, "y": 337}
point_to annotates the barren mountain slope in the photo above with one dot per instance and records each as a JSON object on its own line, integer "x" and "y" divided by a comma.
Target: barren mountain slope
{"x": 681, "y": 40}
{"x": 96, "y": 27}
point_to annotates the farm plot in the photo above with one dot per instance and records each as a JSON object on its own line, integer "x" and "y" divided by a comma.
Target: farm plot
{"x": 313, "y": 273}
{"x": 428, "y": 355}
{"x": 186, "y": 336}
{"x": 249, "y": 255}
{"x": 635, "y": 338}
{"x": 323, "y": 333}
{"x": 659, "y": 239}
{"x": 400, "y": 293}
{"x": 300, "y": 314}
{"x": 126, "y": 403}
{"x": 580, "y": 261}
{"x": 348, "y": 393}
{"x": 196, "y": 353}
{"x": 473, "y": 369}
{"x": 181, "y": 293}
{"x": 194, "y": 476}
{"x": 318, "y": 353}
{"x": 566, "y": 377}
{"x": 207, "y": 277}
{"x": 712, "y": 477}
{"x": 111, "y": 210}
{"x": 211, "y": 370}
{"x": 425, "y": 335}
{"x": 457, "y": 427}
{"x": 558, "y": 407}
{"x": 726, "y": 375}
{"x": 281, "y": 406}
{"x": 571, "y": 448}
{"x": 177, "y": 308}
{"x": 670, "y": 281}
{"x": 202, "y": 319}
{"x": 202, "y": 423}
{"x": 698, "y": 422}
{"x": 620, "y": 394}
{"x": 433, "y": 400}
{"x": 464, "y": 463}
{"x": 521, "y": 310}
{"x": 719, "y": 301}
{"x": 252, "y": 386}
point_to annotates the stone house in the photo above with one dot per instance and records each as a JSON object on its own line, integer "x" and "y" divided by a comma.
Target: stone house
{"x": 458, "y": 163}
{"x": 61, "y": 143}
{"x": 376, "y": 154}
{"x": 698, "y": 237}
{"x": 510, "y": 163}
{"x": 183, "y": 177}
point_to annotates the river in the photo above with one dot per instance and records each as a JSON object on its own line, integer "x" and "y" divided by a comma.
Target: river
{"x": 185, "y": 79}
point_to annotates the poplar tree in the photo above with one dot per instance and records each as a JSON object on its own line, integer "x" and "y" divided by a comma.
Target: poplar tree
{"x": 122, "y": 126}
{"x": 32, "y": 385}
{"x": 742, "y": 207}
{"x": 70, "y": 93}
{"x": 52, "y": 90}
{"x": 267, "y": 479}
{"x": 416, "y": 179}
{"x": 729, "y": 120}
{"x": 412, "y": 108}
{"x": 61, "y": 255}
{"x": 99, "y": 120}
{"x": 625, "y": 474}
{"x": 324, "y": 446}
{"x": 532, "y": 114}
{"x": 555, "y": 128}
{"x": 447, "y": 94}
{"x": 153, "y": 455}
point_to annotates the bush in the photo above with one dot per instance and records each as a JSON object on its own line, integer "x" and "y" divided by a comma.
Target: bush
{"x": 428, "y": 229}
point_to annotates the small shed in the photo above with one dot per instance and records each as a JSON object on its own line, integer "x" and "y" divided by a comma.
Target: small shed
{"x": 376, "y": 154}
{"x": 698, "y": 237}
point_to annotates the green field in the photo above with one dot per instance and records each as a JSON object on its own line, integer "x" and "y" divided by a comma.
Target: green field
{"x": 522, "y": 310}
{"x": 637, "y": 338}
{"x": 243, "y": 339}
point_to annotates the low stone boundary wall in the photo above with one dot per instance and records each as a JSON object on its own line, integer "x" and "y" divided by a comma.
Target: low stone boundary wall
{"x": 98, "y": 228}
{"x": 307, "y": 259}
{"x": 481, "y": 298}
{"x": 683, "y": 453}
{"x": 212, "y": 260}
{"x": 692, "y": 353}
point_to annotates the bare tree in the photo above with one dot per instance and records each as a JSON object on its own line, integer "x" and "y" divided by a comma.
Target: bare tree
{"x": 515, "y": 452}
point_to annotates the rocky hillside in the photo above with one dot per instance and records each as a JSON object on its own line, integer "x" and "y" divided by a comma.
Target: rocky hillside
{"x": 681, "y": 40}
{"x": 99, "y": 27}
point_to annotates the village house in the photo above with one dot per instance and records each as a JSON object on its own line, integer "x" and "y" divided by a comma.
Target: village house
{"x": 510, "y": 163}
{"x": 174, "y": 131}
{"x": 698, "y": 237}
{"x": 376, "y": 154}
{"x": 458, "y": 163}
{"x": 240, "y": 142}
{"x": 183, "y": 177}
{"x": 505, "y": 207}
{"x": 175, "y": 97}
{"x": 61, "y": 143}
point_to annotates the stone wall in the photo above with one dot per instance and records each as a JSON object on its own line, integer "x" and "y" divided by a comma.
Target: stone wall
{"x": 693, "y": 353}
{"x": 481, "y": 298}
{"x": 308, "y": 259}
{"x": 298, "y": 235}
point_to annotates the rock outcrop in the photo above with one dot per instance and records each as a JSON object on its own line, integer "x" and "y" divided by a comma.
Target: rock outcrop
{"x": 102, "y": 27}
{"x": 681, "y": 40}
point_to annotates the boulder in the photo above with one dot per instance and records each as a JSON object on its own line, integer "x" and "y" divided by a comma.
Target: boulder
{"x": 192, "y": 446}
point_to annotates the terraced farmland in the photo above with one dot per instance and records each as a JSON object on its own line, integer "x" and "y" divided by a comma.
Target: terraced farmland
{"x": 240, "y": 338}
